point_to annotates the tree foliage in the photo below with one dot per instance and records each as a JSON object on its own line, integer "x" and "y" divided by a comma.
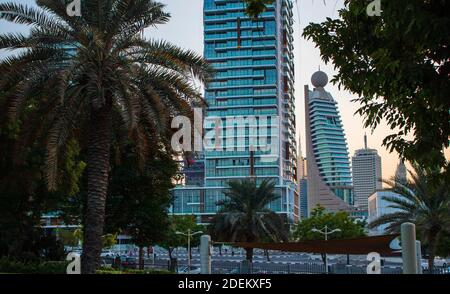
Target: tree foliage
{"x": 319, "y": 218}
{"x": 138, "y": 199}
{"x": 256, "y": 7}
{"x": 181, "y": 224}
{"x": 443, "y": 247}
{"x": 399, "y": 65}
{"x": 24, "y": 197}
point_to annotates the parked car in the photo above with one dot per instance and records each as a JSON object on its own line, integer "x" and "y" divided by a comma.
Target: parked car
{"x": 105, "y": 264}
{"x": 193, "y": 270}
{"x": 107, "y": 253}
{"x": 438, "y": 262}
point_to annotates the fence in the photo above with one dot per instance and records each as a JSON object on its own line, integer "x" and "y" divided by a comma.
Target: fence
{"x": 234, "y": 267}
{"x": 308, "y": 268}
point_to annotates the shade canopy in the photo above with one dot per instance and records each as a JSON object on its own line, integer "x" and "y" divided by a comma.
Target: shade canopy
{"x": 384, "y": 245}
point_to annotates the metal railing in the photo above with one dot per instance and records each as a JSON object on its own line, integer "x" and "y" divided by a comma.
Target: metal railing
{"x": 236, "y": 267}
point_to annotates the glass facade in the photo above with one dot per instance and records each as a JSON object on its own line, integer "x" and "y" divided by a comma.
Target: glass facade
{"x": 250, "y": 102}
{"x": 303, "y": 197}
{"x": 329, "y": 144}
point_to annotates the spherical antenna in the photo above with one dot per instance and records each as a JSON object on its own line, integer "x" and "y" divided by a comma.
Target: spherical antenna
{"x": 319, "y": 79}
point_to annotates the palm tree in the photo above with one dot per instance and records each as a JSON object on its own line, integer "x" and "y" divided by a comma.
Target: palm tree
{"x": 244, "y": 216}
{"x": 256, "y": 7}
{"x": 97, "y": 79}
{"x": 425, "y": 201}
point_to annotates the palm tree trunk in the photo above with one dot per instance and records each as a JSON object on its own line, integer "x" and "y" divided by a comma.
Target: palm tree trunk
{"x": 141, "y": 257}
{"x": 431, "y": 251}
{"x": 249, "y": 254}
{"x": 98, "y": 153}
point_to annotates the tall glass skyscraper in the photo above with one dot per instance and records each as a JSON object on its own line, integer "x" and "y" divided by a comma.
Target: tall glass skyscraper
{"x": 250, "y": 119}
{"x": 328, "y": 164}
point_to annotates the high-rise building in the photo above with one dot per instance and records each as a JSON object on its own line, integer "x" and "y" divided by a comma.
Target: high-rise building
{"x": 328, "y": 166}
{"x": 301, "y": 165}
{"x": 366, "y": 167}
{"x": 302, "y": 182}
{"x": 251, "y": 111}
{"x": 400, "y": 172}
{"x": 303, "y": 195}
{"x": 378, "y": 207}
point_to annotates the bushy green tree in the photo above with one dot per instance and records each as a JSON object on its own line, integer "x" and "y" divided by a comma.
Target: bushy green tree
{"x": 319, "y": 218}
{"x": 138, "y": 199}
{"x": 180, "y": 224}
{"x": 443, "y": 247}
{"x": 24, "y": 197}
{"x": 350, "y": 228}
{"x": 67, "y": 237}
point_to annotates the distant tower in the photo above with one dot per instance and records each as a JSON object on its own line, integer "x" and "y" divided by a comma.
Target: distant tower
{"x": 400, "y": 172}
{"x": 328, "y": 164}
{"x": 302, "y": 182}
{"x": 301, "y": 163}
{"x": 366, "y": 166}
{"x": 303, "y": 194}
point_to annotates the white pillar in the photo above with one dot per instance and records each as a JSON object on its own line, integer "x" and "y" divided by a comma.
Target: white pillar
{"x": 408, "y": 235}
{"x": 205, "y": 254}
{"x": 419, "y": 257}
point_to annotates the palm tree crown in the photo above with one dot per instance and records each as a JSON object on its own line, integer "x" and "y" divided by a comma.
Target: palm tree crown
{"x": 256, "y": 7}
{"x": 244, "y": 216}
{"x": 94, "y": 78}
{"x": 422, "y": 201}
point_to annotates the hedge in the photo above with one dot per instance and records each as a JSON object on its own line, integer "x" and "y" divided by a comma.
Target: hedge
{"x": 110, "y": 271}
{"x": 8, "y": 265}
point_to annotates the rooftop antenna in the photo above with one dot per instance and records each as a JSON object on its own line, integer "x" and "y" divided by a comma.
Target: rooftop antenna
{"x": 365, "y": 140}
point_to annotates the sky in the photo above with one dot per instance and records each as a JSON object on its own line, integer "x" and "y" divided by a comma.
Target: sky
{"x": 185, "y": 29}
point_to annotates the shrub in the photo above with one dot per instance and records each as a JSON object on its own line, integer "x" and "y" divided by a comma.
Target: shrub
{"x": 13, "y": 266}
{"x": 10, "y": 265}
{"x": 111, "y": 271}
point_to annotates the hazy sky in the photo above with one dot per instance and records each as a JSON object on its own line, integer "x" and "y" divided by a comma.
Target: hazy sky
{"x": 186, "y": 29}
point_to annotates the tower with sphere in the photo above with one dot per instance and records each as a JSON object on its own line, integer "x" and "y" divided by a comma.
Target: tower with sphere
{"x": 328, "y": 166}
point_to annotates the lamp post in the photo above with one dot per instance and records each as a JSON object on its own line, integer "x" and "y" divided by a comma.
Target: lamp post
{"x": 325, "y": 231}
{"x": 189, "y": 235}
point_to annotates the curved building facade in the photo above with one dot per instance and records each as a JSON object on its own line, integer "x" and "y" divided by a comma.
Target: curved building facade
{"x": 329, "y": 172}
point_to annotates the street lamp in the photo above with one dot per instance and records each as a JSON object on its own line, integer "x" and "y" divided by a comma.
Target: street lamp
{"x": 189, "y": 235}
{"x": 325, "y": 231}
